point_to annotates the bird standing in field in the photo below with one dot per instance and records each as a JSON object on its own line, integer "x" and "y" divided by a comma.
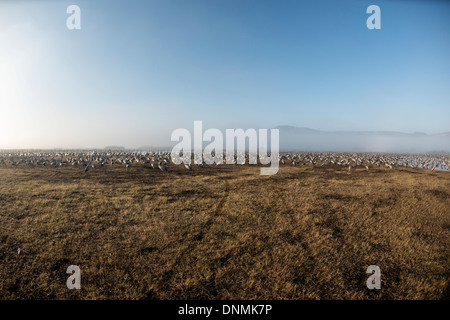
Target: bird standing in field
{"x": 160, "y": 166}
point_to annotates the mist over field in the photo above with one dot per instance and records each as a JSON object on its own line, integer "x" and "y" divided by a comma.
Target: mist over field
{"x": 293, "y": 138}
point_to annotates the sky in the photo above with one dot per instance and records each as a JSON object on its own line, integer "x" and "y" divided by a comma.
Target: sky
{"x": 137, "y": 70}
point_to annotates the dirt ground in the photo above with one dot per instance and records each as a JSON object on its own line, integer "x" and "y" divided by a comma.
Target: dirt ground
{"x": 224, "y": 232}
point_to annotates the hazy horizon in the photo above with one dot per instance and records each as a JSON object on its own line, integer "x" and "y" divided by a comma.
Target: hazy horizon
{"x": 309, "y": 139}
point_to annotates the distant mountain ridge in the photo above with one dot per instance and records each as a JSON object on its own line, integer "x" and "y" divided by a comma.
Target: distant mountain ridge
{"x": 302, "y": 138}
{"x": 303, "y": 130}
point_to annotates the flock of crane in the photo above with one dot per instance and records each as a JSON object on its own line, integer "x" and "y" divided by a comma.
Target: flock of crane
{"x": 162, "y": 160}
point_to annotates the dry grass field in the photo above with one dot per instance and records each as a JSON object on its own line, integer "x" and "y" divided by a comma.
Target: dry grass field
{"x": 224, "y": 232}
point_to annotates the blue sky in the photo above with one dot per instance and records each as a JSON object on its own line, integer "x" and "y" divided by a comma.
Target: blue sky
{"x": 139, "y": 69}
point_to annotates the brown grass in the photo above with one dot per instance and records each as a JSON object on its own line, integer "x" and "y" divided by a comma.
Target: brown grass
{"x": 224, "y": 233}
